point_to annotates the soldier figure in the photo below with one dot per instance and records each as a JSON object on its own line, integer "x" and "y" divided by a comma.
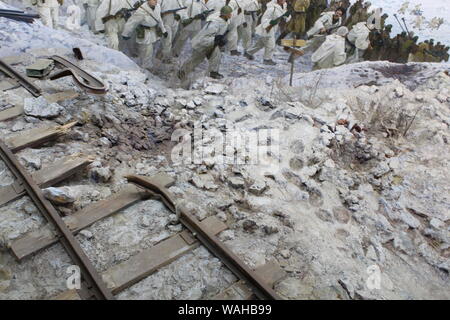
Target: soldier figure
{"x": 207, "y": 44}
{"x": 332, "y": 52}
{"x": 266, "y": 31}
{"x": 147, "y": 22}
{"x": 49, "y": 11}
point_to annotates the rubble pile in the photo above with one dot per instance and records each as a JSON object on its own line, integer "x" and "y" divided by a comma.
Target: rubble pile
{"x": 359, "y": 182}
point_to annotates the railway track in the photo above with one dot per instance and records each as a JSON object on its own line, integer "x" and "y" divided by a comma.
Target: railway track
{"x": 252, "y": 283}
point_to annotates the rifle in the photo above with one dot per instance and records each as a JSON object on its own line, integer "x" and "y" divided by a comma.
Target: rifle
{"x": 277, "y": 20}
{"x": 202, "y": 16}
{"x": 409, "y": 34}
{"x": 172, "y": 11}
{"x": 122, "y": 13}
{"x": 395, "y": 15}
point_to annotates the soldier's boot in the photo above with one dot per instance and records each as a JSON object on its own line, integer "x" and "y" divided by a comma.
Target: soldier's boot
{"x": 269, "y": 62}
{"x": 215, "y": 75}
{"x": 235, "y": 53}
{"x": 249, "y": 56}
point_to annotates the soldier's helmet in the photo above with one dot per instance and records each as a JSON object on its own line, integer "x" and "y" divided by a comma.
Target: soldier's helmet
{"x": 226, "y": 10}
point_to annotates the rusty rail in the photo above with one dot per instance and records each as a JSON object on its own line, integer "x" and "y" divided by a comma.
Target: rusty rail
{"x": 10, "y": 72}
{"x": 261, "y": 289}
{"x": 94, "y": 286}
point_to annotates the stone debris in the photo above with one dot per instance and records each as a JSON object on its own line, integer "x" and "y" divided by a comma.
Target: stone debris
{"x": 59, "y": 196}
{"x": 40, "y": 108}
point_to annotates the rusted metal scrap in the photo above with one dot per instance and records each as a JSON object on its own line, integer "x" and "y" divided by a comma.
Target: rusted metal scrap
{"x": 18, "y": 15}
{"x": 82, "y": 79}
{"x": 10, "y": 72}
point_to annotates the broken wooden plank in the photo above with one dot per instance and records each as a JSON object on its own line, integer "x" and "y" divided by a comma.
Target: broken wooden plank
{"x": 46, "y": 236}
{"x": 37, "y": 136}
{"x": 140, "y": 266}
{"x": 46, "y": 177}
{"x": 271, "y": 272}
{"x": 11, "y": 112}
{"x": 237, "y": 291}
{"x": 68, "y": 295}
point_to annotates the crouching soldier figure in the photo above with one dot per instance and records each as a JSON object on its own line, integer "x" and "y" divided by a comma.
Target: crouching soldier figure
{"x": 332, "y": 52}
{"x": 358, "y": 38}
{"x": 327, "y": 22}
{"x": 149, "y": 28}
{"x": 207, "y": 44}
{"x": 267, "y": 29}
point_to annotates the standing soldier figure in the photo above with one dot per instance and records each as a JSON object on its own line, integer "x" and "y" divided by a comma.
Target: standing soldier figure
{"x": 297, "y": 24}
{"x": 91, "y": 6}
{"x": 237, "y": 18}
{"x": 148, "y": 24}
{"x": 191, "y": 25}
{"x": 266, "y": 31}
{"x": 110, "y": 18}
{"x": 170, "y": 20}
{"x": 207, "y": 44}
{"x": 49, "y": 11}
{"x": 245, "y": 30}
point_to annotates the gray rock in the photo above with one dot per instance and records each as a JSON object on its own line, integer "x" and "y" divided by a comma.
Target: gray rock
{"x": 32, "y": 161}
{"x": 58, "y": 195}
{"x": 40, "y": 108}
{"x": 258, "y": 187}
{"x": 214, "y": 88}
{"x": 102, "y": 174}
{"x": 236, "y": 182}
{"x": 87, "y": 234}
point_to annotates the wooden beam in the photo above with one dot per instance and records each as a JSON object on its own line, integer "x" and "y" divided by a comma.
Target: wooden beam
{"x": 11, "y": 112}
{"x": 37, "y": 136}
{"x": 140, "y": 266}
{"x": 46, "y": 236}
{"x": 67, "y": 295}
{"x": 46, "y": 177}
{"x": 143, "y": 264}
{"x": 270, "y": 271}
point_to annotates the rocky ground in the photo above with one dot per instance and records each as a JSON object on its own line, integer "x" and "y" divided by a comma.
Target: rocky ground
{"x": 359, "y": 182}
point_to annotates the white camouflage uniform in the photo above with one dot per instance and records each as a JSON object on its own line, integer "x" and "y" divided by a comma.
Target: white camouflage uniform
{"x": 170, "y": 23}
{"x": 49, "y": 12}
{"x": 148, "y": 19}
{"x": 250, "y": 17}
{"x": 203, "y": 46}
{"x": 359, "y": 36}
{"x": 91, "y": 9}
{"x": 194, "y": 7}
{"x": 325, "y": 21}
{"x": 267, "y": 39}
{"x": 236, "y": 19}
{"x": 332, "y": 52}
{"x": 113, "y": 27}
